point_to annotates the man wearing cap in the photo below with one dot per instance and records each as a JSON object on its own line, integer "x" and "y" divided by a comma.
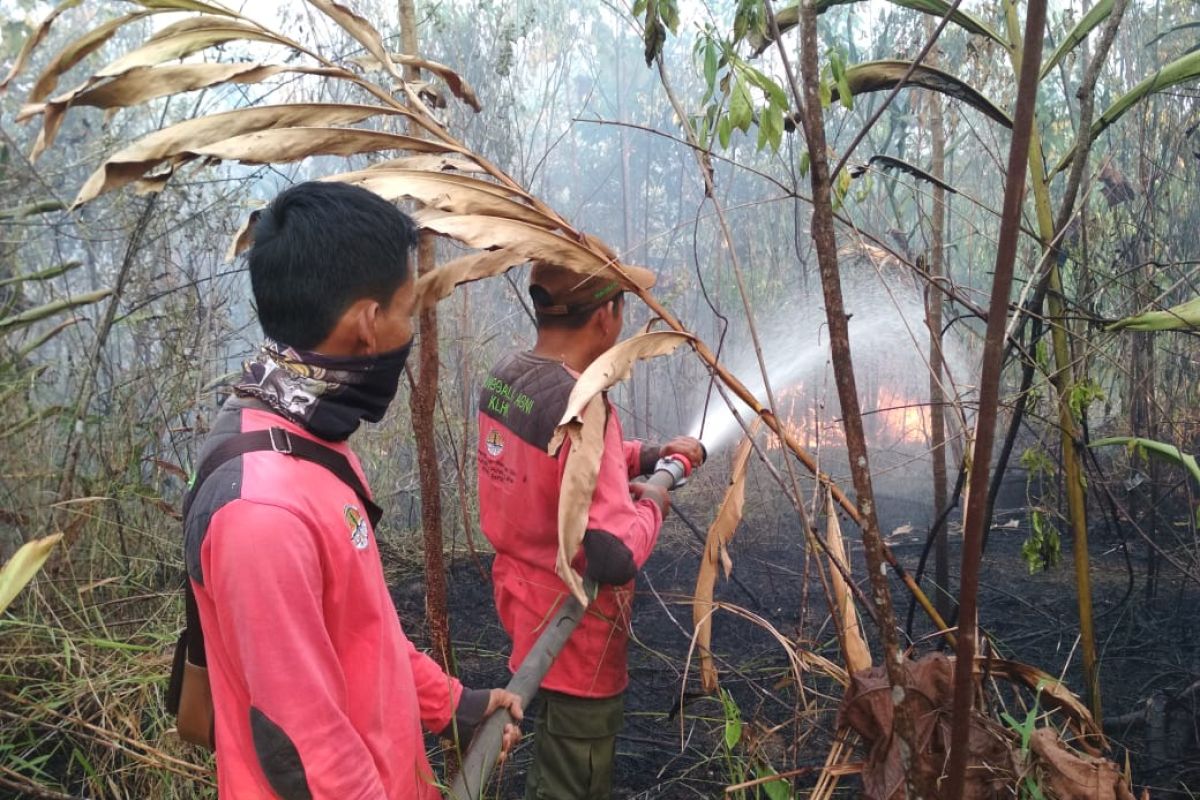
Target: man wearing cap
{"x": 578, "y": 318}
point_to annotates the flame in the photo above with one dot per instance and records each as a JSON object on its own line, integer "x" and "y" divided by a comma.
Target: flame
{"x": 893, "y": 419}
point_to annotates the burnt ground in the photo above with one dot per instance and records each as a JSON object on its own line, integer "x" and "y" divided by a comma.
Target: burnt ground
{"x": 1147, "y": 648}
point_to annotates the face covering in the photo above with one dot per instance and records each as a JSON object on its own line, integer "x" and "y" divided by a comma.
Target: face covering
{"x": 328, "y": 395}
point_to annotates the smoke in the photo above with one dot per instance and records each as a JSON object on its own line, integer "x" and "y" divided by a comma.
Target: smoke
{"x": 889, "y": 345}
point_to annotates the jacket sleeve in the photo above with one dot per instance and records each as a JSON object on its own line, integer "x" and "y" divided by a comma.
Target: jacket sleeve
{"x": 444, "y": 704}
{"x": 267, "y": 591}
{"x": 640, "y": 457}
{"x": 621, "y": 533}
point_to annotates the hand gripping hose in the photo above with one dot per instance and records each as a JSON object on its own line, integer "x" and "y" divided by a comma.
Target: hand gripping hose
{"x": 484, "y": 748}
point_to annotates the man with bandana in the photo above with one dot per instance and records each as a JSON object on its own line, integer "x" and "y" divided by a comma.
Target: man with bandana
{"x": 317, "y": 692}
{"x": 522, "y": 401}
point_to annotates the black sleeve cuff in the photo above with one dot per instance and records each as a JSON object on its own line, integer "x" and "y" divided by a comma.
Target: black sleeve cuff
{"x": 609, "y": 560}
{"x": 648, "y": 458}
{"x": 472, "y": 705}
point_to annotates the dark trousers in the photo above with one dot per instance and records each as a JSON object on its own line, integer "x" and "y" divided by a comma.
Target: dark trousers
{"x": 574, "y": 745}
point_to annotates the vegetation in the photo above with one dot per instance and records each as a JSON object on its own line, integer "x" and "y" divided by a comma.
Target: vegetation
{"x": 911, "y": 237}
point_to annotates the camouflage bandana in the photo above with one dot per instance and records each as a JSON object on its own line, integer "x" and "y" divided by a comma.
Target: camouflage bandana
{"x": 328, "y": 395}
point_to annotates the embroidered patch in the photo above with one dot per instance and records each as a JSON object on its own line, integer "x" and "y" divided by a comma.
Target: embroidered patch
{"x": 358, "y": 527}
{"x": 495, "y": 443}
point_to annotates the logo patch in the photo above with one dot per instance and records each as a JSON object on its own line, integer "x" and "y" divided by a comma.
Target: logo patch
{"x": 358, "y": 527}
{"x": 495, "y": 443}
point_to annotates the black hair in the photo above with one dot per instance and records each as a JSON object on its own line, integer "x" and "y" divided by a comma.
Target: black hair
{"x": 319, "y": 247}
{"x": 567, "y": 322}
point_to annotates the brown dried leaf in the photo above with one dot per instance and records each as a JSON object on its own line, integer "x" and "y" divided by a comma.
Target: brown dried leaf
{"x": 458, "y": 87}
{"x": 531, "y": 241}
{"x": 584, "y": 421}
{"x": 719, "y": 534}
{"x": 243, "y": 237}
{"x": 1076, "y": 776}
{"x": 361, "y": 30}
{"x": 186, "y": 37}
{"x": 134, "y": 161}
{"x": 854, "y": 643}
{"x": 578, "y": 486}
{"x": 440, "y": 283}
{"x": 431, "y": 163}
{"x": 35, "y": 39}
{"x": 147, "y": 83}
{"x": 1053, "y": 693}
{"x": 281, "y": 145}
{"x": 453, "y": 194}
{"x": 75, "y": 52}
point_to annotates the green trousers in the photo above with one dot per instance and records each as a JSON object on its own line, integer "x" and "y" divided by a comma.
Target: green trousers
{"x": 574, "y": 744}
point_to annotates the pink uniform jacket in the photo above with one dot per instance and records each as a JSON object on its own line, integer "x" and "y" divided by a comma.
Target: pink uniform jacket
{"x": 317, "y": 691}
{"x": 521, "y": 403}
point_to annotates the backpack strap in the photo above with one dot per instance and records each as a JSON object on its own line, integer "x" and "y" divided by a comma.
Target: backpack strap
{"x": 280, "y": 441}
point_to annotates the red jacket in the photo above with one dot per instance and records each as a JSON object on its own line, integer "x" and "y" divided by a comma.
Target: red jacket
{"x": 521, "y": 403}
{"x": 317, "y": 691}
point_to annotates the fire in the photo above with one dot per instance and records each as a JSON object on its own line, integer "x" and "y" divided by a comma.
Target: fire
{"x": 892, "y": 420}
{"x": 900, "y": 419}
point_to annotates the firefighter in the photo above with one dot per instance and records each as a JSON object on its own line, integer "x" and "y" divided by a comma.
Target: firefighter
{"x": 316, "y": 689}
{"x": 522, "y": 400}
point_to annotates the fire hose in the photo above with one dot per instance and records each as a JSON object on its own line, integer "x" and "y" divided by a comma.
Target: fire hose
{"x": 480, "y": 758}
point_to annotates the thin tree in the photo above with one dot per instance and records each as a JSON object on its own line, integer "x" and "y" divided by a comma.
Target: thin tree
{"x": 424, "y": 404}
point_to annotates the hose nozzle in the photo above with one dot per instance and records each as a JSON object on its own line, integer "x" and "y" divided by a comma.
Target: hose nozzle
{"x": 677, "y": 466}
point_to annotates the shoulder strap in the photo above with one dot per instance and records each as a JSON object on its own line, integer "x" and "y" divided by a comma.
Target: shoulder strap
{"x": 280, "y": 441}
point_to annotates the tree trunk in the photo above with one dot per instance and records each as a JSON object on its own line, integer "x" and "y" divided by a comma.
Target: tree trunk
{"x": 937, "y": 397}
{"x": 1064, "y": 382}
{"x": 1142, "y": 419}
{"x": 424, "y": 403}
{"x": 921, "y": 781}
{"x": 989, "y": 388}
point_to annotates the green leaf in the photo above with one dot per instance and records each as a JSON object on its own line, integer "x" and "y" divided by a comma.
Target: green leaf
{"x": 710, "y": 64}
{"x": 825, "y": 91}
{"x": 1181, "y": 70}
{"x": 25, "y": 563}
{"x": 844, "y": 93}
{"x": 770, "y": 88}
{"x": 789, "y": 17}
{"x": 741, "y": 112}
{"x": 741, "y": 23}
{"x": 888, "y": 163}
{"x": 1043, "y": 549}
{"x": 724, "y": 131}
{"x": 44, "y": 275}
{"x": 772, "y": 119}
{"x": 1094, "y": 17}
{"x": 639, "y": 8}
{"x": 1180, "y": 317}
{"x": 733, "y": 720}
{"x": 32, "y": 315}
{"x": 875, "y": 76}
{"x": 805, "y": 162}
{"x": 1183, "y": 26}
{"x": 775, "y": 790}
{"x": 1082, "y": 395}
{"x": 669, "y": 14}
{"x": 1160, "y": 449}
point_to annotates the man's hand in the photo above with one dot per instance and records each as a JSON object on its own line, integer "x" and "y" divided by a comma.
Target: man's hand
{"x": 502, "y": 698}
{"x": 687, "y": 446}
{"x": 645, "y": 489}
